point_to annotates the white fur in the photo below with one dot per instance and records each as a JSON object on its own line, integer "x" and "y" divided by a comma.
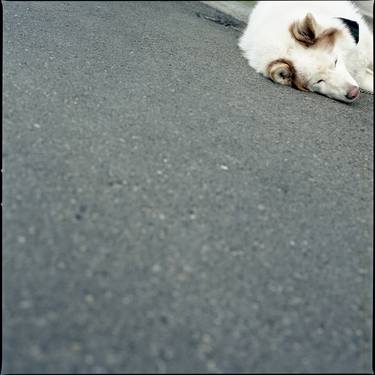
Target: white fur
{"x": 267, "y": 38}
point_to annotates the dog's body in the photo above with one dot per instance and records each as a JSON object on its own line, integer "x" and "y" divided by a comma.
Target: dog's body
{"x": 312, "y": 46}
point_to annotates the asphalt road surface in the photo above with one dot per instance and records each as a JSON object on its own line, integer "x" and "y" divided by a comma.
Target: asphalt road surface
{"x": 167, "y": 209}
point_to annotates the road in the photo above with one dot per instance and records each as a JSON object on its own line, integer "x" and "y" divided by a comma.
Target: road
{"x": 167, "y": 209}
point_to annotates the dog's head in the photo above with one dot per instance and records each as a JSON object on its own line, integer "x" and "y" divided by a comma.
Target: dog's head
{"x": 314, "y": 63}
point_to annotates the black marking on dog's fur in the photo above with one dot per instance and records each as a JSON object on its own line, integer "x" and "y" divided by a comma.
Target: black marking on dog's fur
{"x": 353, "y": 28}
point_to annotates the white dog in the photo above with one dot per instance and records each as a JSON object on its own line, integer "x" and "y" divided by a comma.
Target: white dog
{"x": 320, "y": 46}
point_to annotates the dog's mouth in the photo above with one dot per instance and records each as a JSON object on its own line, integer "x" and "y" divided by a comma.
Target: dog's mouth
{"x": 349, "y": 99}
{"x": 344, "y": 99}
{"x": 349, "y": 95}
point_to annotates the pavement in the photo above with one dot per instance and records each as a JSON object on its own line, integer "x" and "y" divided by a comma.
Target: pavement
{"x": 240, "y": 10}
{"x": 167, "y": 209}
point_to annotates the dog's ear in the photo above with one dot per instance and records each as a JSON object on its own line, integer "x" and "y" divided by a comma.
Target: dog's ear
{"x": 280, "y": 71}
{"x": 327, "y": 38}
{"x": 305, "y": 31}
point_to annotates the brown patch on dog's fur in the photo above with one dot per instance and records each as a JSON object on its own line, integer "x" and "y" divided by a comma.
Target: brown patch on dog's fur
{"x": 282, "y": 71}
{"x": 327, "y": 38}
{"x": 305, "y": 33}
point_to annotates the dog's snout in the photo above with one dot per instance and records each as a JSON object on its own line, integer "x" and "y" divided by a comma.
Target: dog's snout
{"x": 352, "y": 92}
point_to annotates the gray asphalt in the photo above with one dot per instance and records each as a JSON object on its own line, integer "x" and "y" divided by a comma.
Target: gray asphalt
{"x": 167, "y": 209}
